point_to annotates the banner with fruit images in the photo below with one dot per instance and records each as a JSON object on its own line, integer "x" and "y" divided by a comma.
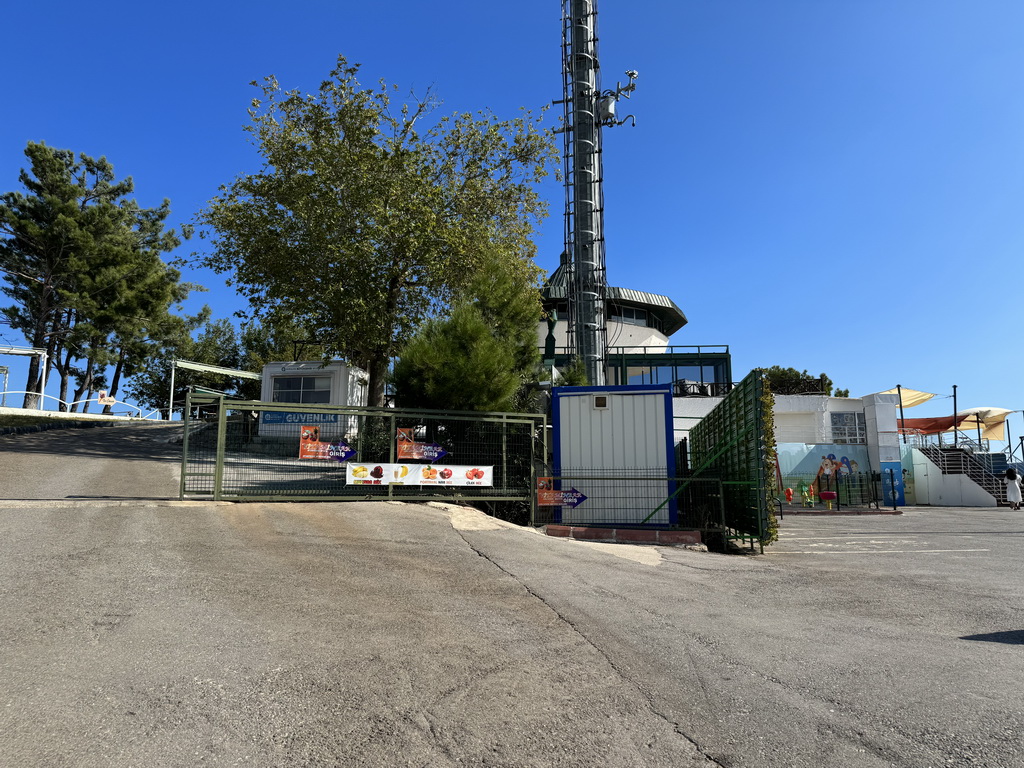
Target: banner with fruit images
{"x": 417, "y": 474}
{"x": 310, "y": 446}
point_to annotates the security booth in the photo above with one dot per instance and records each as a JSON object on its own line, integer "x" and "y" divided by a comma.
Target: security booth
{"x": 312, "y": 383}
{"x": 614, "y": 456}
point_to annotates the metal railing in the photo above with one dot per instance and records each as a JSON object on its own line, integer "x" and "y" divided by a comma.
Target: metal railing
{"x": 68, "y": 405}
{"x": 857, "y": 489}
{"x": 634, "y": 498}
{"x": 956, "y": 461}
{"x": 247, "y": 450}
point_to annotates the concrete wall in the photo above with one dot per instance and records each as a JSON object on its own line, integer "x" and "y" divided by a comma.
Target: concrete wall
{"x": 687, "y": 413}
{"x": 931, "y": 487}
{"x": 807, "y": 418}
{"x": 619, "y": 335}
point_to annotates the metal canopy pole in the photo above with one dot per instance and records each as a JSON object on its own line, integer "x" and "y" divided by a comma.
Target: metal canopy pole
{"x": 954, "y": 417}
{"x": 899, "y": 394}
{"x": 170, "y": 403}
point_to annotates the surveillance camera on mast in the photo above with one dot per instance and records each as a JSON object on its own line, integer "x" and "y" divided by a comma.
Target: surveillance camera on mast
{"x": 606, "y": 101}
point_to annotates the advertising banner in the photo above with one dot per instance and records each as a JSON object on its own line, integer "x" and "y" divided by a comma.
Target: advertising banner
{"x": 409, "y": 449}
{"x": 418, "y": 474}
{"x": 548, "y": 497}
{"x": 310, "y": 446}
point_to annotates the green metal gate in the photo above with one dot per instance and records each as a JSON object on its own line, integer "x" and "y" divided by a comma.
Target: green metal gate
{"x": 735, "y": 445}
{"x": 247, "y": 451}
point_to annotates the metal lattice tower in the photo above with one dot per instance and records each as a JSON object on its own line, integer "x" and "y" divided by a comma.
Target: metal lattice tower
{"x": 586, "y": 110}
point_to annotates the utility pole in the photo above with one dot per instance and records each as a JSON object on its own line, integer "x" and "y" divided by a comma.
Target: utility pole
{"x": 586, "y": 109}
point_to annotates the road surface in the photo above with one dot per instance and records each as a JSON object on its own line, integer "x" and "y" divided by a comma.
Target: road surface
{"x": 140, "y": 631}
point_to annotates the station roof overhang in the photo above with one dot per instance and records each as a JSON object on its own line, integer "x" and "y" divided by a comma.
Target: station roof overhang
{"x": 663, "y": 308}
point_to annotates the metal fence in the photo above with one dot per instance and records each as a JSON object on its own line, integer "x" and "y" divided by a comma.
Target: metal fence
{"x": 245, "y": 450}
{"x": 735, "y": 445}
{"x": 859, "y": 489}
{"x": 635, "y": 498}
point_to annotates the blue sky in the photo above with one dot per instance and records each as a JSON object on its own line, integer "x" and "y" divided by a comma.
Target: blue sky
{"x": 834, "y": 185}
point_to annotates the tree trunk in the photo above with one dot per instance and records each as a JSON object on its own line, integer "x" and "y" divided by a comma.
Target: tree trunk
{"x": 39, "y": 340}
{"x": 63, "y": 369}
{"x": 32, "y": 385}
{"x": 379, "y": 358}
{"x": 85, "y": 387}
{"x": 37, "y": 372}
{"x": 115, "y": 382}
{"x": 378, "y": 373}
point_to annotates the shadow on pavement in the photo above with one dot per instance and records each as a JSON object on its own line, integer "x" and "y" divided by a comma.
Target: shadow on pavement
{"x": 1010, "y": 637}
{"x": 134, "y": 440}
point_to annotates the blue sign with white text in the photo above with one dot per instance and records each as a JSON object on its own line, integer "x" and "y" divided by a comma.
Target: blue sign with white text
{"x": 295, "y": 417}
{"x": 340, "y": 451}
{"x": 433, "y": 452}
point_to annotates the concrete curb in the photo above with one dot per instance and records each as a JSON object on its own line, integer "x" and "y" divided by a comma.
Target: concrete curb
{"x": 624, "y": 535}
{"x": 841, "y": 512}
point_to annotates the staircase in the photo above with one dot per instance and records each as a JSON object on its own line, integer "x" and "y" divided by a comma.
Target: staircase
{"x": 955, "y": 461}
{"x": 996, "y": 463}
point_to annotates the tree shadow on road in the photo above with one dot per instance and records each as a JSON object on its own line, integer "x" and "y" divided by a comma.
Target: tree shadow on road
{"x": 1010, "y": 637}
{"x": 138, "y": 441}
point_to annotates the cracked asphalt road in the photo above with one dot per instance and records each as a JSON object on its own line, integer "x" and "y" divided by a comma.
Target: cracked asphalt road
{"x": 141, "y": 631}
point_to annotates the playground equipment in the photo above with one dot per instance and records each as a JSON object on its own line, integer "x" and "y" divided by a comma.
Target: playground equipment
{"x": 806, "y": 494}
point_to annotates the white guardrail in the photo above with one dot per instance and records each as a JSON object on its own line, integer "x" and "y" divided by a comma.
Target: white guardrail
{"x": 105, "y": 401}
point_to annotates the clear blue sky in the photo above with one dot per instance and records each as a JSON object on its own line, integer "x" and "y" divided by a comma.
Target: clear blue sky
{"x": 836, "y": 185}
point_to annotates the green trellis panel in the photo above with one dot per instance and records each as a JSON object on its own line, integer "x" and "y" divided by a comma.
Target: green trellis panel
{"x": 733, "y": 444}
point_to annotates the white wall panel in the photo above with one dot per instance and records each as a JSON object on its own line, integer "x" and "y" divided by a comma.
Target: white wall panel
{"x": 628, "y": 439}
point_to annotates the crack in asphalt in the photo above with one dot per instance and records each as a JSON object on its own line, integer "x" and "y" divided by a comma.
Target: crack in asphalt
{"x": 648, "y": 698}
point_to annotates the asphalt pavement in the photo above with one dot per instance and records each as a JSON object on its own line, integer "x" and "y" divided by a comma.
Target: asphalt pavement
{"x": 142, "y": 631}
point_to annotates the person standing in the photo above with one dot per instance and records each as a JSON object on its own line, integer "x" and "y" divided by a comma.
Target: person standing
{"x": 1012, "y": 481}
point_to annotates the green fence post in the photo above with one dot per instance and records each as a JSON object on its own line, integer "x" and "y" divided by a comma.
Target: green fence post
{"x": 504, "y": 452}
{"x": 222, "y": 434}
{"x": 392, "y": 451}
{"x": 185, "y": 418}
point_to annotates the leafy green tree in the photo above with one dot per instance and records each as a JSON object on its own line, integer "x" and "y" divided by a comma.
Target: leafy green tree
{"x": 218, "y": 343}
{"x": 362, "y": 224}
{"x": 74, "y": 250}
{"x": 485, "y": 355}
{"x": 457, "y": 364}
{"x": 573, "y": 375}
{"x": 149, "y": 330}
{"x": 150, "y": 382}
{"x": 790, "y": 381}
{"x": 277, "y": 338}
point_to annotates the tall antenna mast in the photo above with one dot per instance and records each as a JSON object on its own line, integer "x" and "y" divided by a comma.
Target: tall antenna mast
{"x": 586, "y": 110}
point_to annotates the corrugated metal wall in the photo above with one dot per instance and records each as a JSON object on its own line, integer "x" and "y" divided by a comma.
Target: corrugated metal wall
{"x": 615, "y": 454}
{"x": 628, "y": 434}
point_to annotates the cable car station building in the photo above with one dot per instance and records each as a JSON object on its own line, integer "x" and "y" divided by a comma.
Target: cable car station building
{"x": 638, "y": 326}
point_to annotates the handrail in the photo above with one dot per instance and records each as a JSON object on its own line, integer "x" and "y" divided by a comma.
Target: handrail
{"x": 955, "y": 461}
{"x": 42, "y": 395}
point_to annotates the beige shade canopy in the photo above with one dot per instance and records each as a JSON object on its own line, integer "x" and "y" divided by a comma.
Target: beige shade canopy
{"x": 991, "y": 422}
{"x": 909, "y": 397}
